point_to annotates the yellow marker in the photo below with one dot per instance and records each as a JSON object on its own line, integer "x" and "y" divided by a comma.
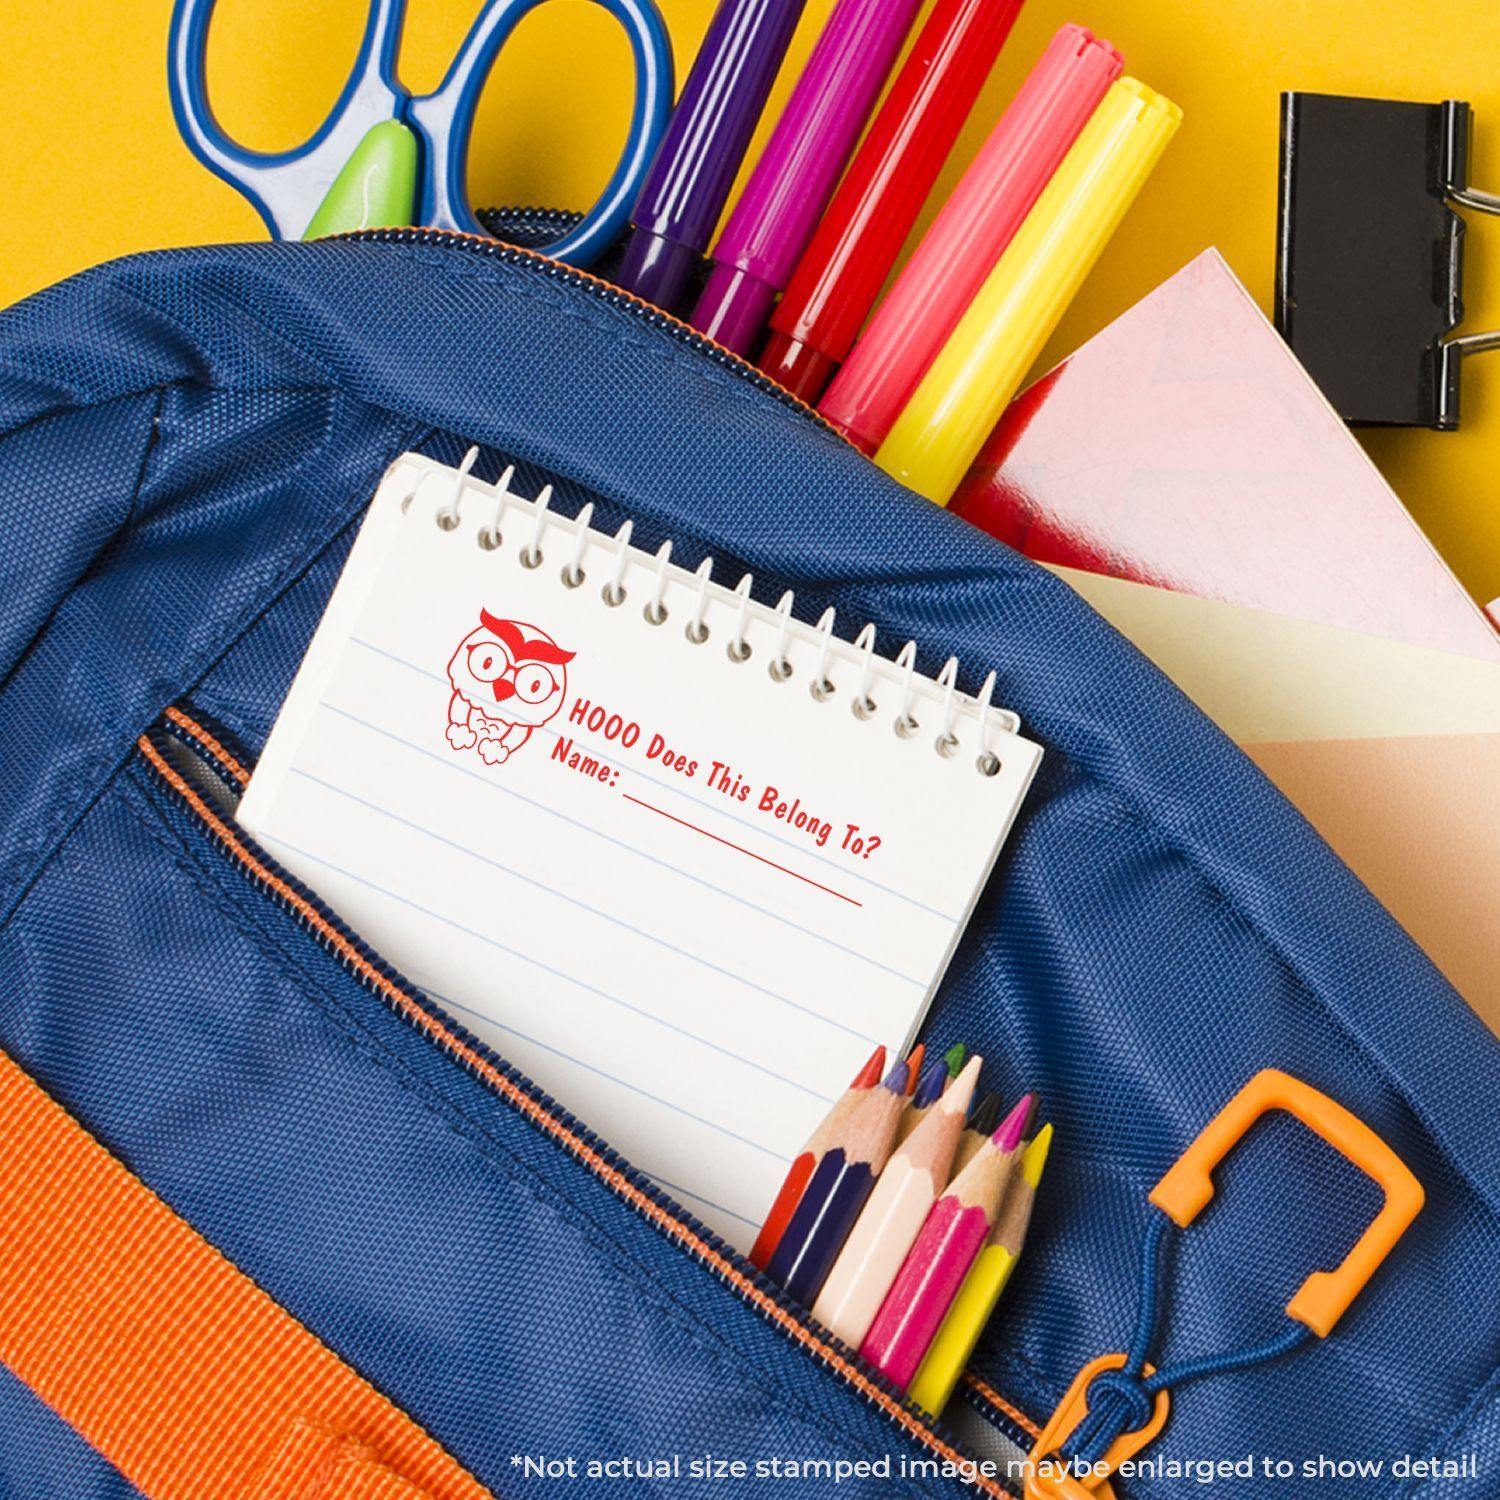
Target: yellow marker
{"x": 941, "y": 429}
{"x": 981, "y": 1288}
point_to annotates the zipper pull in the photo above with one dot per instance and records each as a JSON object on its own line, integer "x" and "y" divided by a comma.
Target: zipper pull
{"x": 1053, "y": 1477}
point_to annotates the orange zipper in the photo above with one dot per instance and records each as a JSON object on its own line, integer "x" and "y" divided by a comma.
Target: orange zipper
{"x": 747, "y": 1286}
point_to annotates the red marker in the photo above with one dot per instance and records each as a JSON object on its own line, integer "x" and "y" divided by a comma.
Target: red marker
{"x": 967, "y": 237}
{"x": 846, "y": 262}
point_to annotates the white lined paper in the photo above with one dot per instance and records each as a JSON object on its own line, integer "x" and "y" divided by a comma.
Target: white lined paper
{"x": 692, "y": 977}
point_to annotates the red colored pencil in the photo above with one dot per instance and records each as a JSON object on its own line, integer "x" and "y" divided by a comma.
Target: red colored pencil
{"x": 806, "y": 1161}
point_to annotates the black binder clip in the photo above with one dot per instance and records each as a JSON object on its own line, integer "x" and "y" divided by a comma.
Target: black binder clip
{"x": 1369, "y": 253}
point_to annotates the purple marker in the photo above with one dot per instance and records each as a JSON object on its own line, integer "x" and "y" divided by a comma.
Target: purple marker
{"x": 700, "y": 154}
{"x": 789, "y": 189}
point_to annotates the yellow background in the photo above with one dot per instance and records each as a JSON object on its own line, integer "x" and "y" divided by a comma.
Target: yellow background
{"x": 94, "y": 166}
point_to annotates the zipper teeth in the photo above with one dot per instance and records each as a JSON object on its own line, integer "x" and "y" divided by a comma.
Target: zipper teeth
{"x": 637, "y": 1192}
{"x": 605, "y": 291}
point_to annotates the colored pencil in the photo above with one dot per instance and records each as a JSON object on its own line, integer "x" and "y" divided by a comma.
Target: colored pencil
{"x": 801, "y": 1170}
{"x": 838, "y": 1189}
{"x": 981, "y": 1127}
{"x": 955, "y": 1057}
{"x": 983, "y": 1285}
{"x": 947, "y": 1246}
{"x": 928, "y": 1091}
{"x": 894, "y": 1216}
{"x": 914, "y": 1066}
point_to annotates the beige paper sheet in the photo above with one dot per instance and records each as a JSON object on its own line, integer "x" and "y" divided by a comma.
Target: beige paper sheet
{"x": 1391, "y": 751}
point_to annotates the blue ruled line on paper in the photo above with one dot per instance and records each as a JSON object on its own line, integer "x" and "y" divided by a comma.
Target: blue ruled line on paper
{"x": 531, "y": 880}
{"x": 546, "y": 968}
{"x": 624, "y": 1083}
{"x": 451, "y": 764}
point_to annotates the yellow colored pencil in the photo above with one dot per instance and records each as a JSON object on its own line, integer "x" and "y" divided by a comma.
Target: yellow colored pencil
{"x": 890, "y": 1222}
{"x": 953, "y": 410}
{"x": 976, "y": 1299}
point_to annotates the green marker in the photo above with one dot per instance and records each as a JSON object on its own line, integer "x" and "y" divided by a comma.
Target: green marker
{"x": 953, "y": 1059}
{"x": 376, "y": 188}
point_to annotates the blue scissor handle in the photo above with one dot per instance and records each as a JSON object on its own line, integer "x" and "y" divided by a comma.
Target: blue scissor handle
{"x": 288, "y": 186}
{"x": 444, "y": 121}
{"x": 285, "y": 186}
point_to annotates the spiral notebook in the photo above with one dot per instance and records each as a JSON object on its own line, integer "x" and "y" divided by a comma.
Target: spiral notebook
{"x": 679, "y": 856}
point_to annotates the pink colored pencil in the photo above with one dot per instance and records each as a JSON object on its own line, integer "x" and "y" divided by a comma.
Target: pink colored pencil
{"x": 892, "y": 1219}
{"x": 932, "y": 1273}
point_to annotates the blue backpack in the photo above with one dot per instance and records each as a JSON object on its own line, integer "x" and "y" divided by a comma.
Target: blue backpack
{"x": 188, "y": 442}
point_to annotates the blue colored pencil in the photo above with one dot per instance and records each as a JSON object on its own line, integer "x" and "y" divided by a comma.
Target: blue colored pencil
{"x": 929, "y": 1090}
{"x": 837, "y": 1191}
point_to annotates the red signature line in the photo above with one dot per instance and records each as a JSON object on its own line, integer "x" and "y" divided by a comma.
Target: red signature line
{"x": 741, "y": 848}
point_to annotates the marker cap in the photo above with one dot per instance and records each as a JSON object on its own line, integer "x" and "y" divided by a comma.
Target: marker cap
{"x": 802, "y": 369}
{"x": 733, "y": 307}
{"x": 657, "y": 268}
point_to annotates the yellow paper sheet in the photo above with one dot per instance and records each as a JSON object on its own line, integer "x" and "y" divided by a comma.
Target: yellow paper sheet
{"x": 1263, "y": 676}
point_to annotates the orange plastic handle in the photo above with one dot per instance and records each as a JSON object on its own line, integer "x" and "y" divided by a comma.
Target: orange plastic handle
{"x": 1322, "y": 1299}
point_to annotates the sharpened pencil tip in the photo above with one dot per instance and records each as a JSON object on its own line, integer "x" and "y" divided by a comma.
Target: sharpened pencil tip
{"x": 895, "y": 1080}
{"x": 1034, "y": 1158}
{"x": 869, "y": 1075}
{"x": 931, "y": 1084}
{"x": 961, "y": 1091}
{"x": 914, "y": 1065}
{"x": 986, "y": 1114}
{"x": 954, "y": 1057}
{"x": 1008, "y": 1136}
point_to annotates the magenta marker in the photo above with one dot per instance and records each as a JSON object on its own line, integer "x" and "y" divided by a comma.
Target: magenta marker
{"x": 792, "y": 181}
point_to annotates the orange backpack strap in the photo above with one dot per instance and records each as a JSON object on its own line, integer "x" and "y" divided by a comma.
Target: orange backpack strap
{"x": 162, "y": 1355}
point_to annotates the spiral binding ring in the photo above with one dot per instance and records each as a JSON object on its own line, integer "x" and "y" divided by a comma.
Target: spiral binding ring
{"x": 987, "y": 763}
{"x": 865, "y": 707}
{"x": 531, "y": 555}
{"x": 822, "y": 687}
{"x": 697, "y": 631}
{"x": 781, "y": 667}
{"x": 946, "y": 743}
{"x": 656, "y": 610}
{"x": 614, "y": 590}
{"x": 447, "y": 517}
{"x": 739, "y": 647}
{"x": 906, "y": 724}
{"x": 490, "y": 536}
{"x": 572, "y": 572}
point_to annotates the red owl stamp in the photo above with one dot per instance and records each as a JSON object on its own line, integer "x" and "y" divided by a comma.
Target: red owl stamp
{"x": 508, "y": 678}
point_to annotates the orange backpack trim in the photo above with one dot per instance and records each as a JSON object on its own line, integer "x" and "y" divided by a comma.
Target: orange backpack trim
{"x": 162, "y": 1355}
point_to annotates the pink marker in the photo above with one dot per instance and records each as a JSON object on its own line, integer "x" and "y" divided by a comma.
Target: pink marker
{"x": 968, "y": 236}
{"x": 953, "y": 1235}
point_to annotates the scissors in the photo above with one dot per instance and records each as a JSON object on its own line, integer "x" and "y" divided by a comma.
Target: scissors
{"x": 385, "y": 156}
